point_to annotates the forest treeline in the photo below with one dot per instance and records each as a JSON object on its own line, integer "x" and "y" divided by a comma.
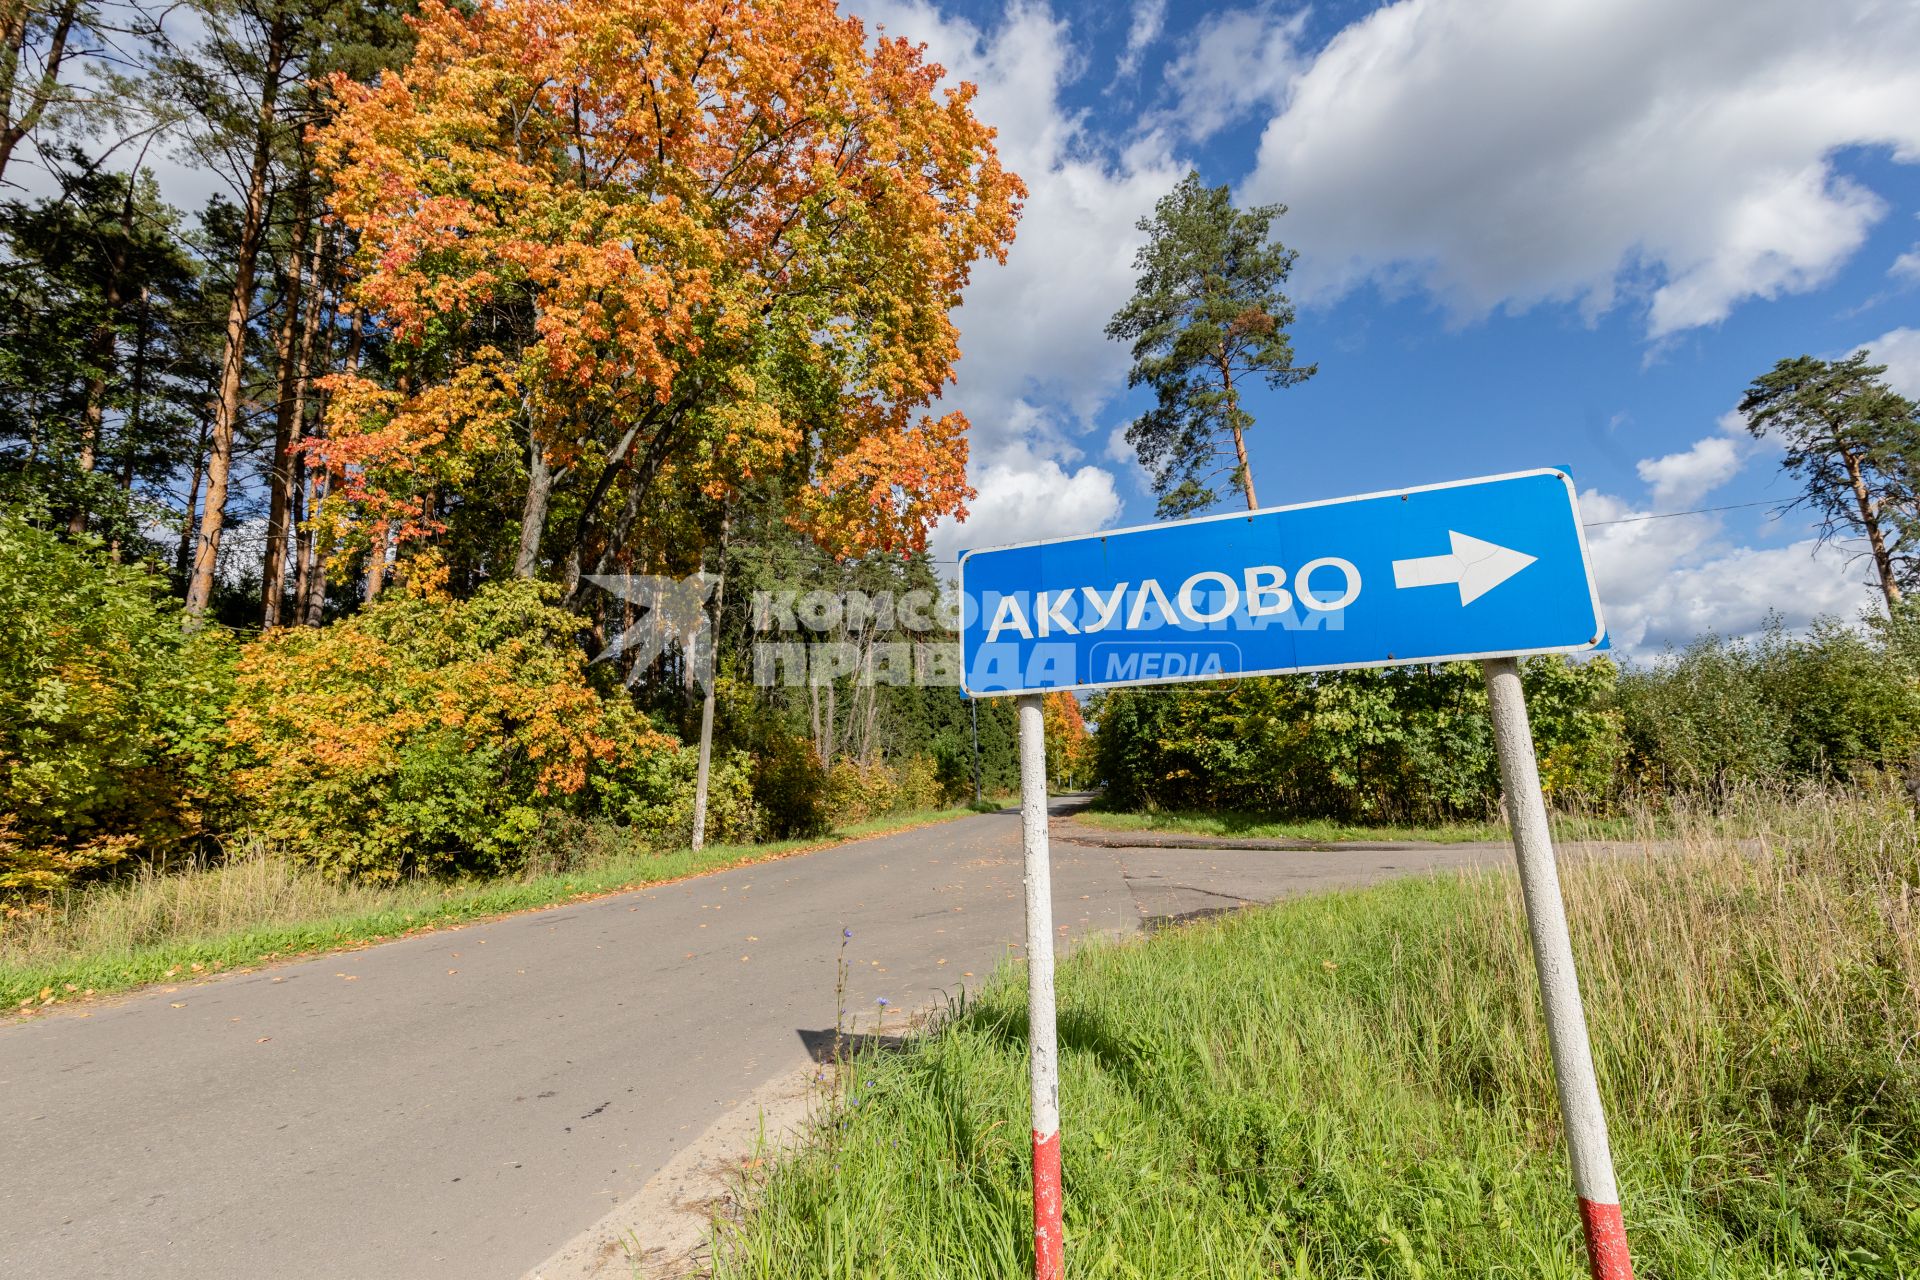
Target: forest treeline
{"x": 312, "y": 493}
{"x": 1414, "y": 744}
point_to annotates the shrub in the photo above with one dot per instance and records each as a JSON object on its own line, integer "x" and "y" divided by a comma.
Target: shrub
{"x": 857, "y": 791}
{"x": 1409, "y": 743}
{"x": 789, "y": 783}
{"x": 653, "y": 792}
{"x": 107, "y": 712}
{"x": 427, "y": 734}
{"x": 917, "y": 783}
{"x": 1725, "y": 713}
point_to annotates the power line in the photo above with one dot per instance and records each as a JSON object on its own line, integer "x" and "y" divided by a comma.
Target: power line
{"x": 1669, "y": 515}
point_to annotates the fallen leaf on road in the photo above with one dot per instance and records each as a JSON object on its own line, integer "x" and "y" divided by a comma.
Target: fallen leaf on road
{"x": 179, "y": 1004}
{"x": 451, "y": 972}
{"x": 263, "y": 1039}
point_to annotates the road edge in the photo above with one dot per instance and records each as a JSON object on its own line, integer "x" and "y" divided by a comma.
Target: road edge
{"x": 667, "y": 1229}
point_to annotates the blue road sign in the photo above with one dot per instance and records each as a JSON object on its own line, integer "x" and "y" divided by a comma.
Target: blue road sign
{"x": 1484, "y": 568}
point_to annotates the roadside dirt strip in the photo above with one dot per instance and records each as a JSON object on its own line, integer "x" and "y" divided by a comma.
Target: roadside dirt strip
{"x": 514, "y": 1097}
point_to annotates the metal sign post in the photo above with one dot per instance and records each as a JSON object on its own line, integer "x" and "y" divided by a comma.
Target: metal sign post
{"x": 1043, "y": 1049}
{"x": 1490, "y": 569}
{"x": 1586, "y": 1123}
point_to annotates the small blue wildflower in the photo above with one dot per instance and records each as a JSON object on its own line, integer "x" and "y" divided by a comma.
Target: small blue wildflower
{"x": 846, "y": 933}
{"x": 883, "y": 1002}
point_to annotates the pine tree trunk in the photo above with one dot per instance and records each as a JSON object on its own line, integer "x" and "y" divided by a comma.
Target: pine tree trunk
{"x": 1876, "y": 537}
{"x": 233, "y": 361}
{"x": 183, "y": 558}
{"x": 286, "y": 419}
{"x": 1245, "y": 474}
{"x": 1246, "y": 471}
{"x": 18, "y": 18}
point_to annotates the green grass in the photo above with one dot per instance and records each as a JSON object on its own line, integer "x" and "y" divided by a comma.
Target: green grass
{"x": 1328, "y": 831}
{"x": 185, "y": 926}
{"x": 1358, "y": 1085}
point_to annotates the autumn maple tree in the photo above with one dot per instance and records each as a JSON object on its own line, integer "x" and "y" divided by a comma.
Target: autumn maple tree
{"x": 1069, "y": 745}
{"x": 643, "y": 246}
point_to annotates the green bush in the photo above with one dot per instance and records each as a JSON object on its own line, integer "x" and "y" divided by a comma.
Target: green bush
{"x": 1401, "y": 744}
{"x": 108, "y": 711}
{"x": 1728, "y": 712}
{"x": 917, "y": 784}
{"x": 655, "y": 797}
{"x": 857, "y": 792}
{"x": 426, "y": 734}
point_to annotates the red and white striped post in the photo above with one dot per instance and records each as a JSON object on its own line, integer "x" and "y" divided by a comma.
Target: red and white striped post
{"x": 1043, "y": 1049}
{"x": 1586, "y": 1123}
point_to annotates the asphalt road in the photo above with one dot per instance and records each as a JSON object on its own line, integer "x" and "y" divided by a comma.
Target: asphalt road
{"x": 461, "y": 1104}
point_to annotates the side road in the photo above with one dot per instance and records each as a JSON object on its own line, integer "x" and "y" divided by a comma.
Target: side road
{"x": 463, "y": 1103}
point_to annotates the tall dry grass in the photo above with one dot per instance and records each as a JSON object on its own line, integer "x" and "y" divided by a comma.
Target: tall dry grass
{"x": 253, "y": 891}
{"x": 1726, "y": 946}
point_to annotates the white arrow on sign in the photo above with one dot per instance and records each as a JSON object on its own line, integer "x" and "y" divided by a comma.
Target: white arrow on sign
{"x": 1476, "y": 565}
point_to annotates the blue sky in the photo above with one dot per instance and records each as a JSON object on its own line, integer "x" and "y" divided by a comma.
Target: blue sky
{"x": 1529, "y": 233}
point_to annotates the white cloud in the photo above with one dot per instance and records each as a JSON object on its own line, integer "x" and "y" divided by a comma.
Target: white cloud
{"x": 1681, "y": 479}
{"x": 1899, "y": 350}
{"x": 1506, "y": 152}
{"x": 1024, "y": 496}
{"x": 1233, "y": 62}
{"x": 1036, "y": 365}
{"x": 1736, "y": 593}
{"x": 1149, "y": 17}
